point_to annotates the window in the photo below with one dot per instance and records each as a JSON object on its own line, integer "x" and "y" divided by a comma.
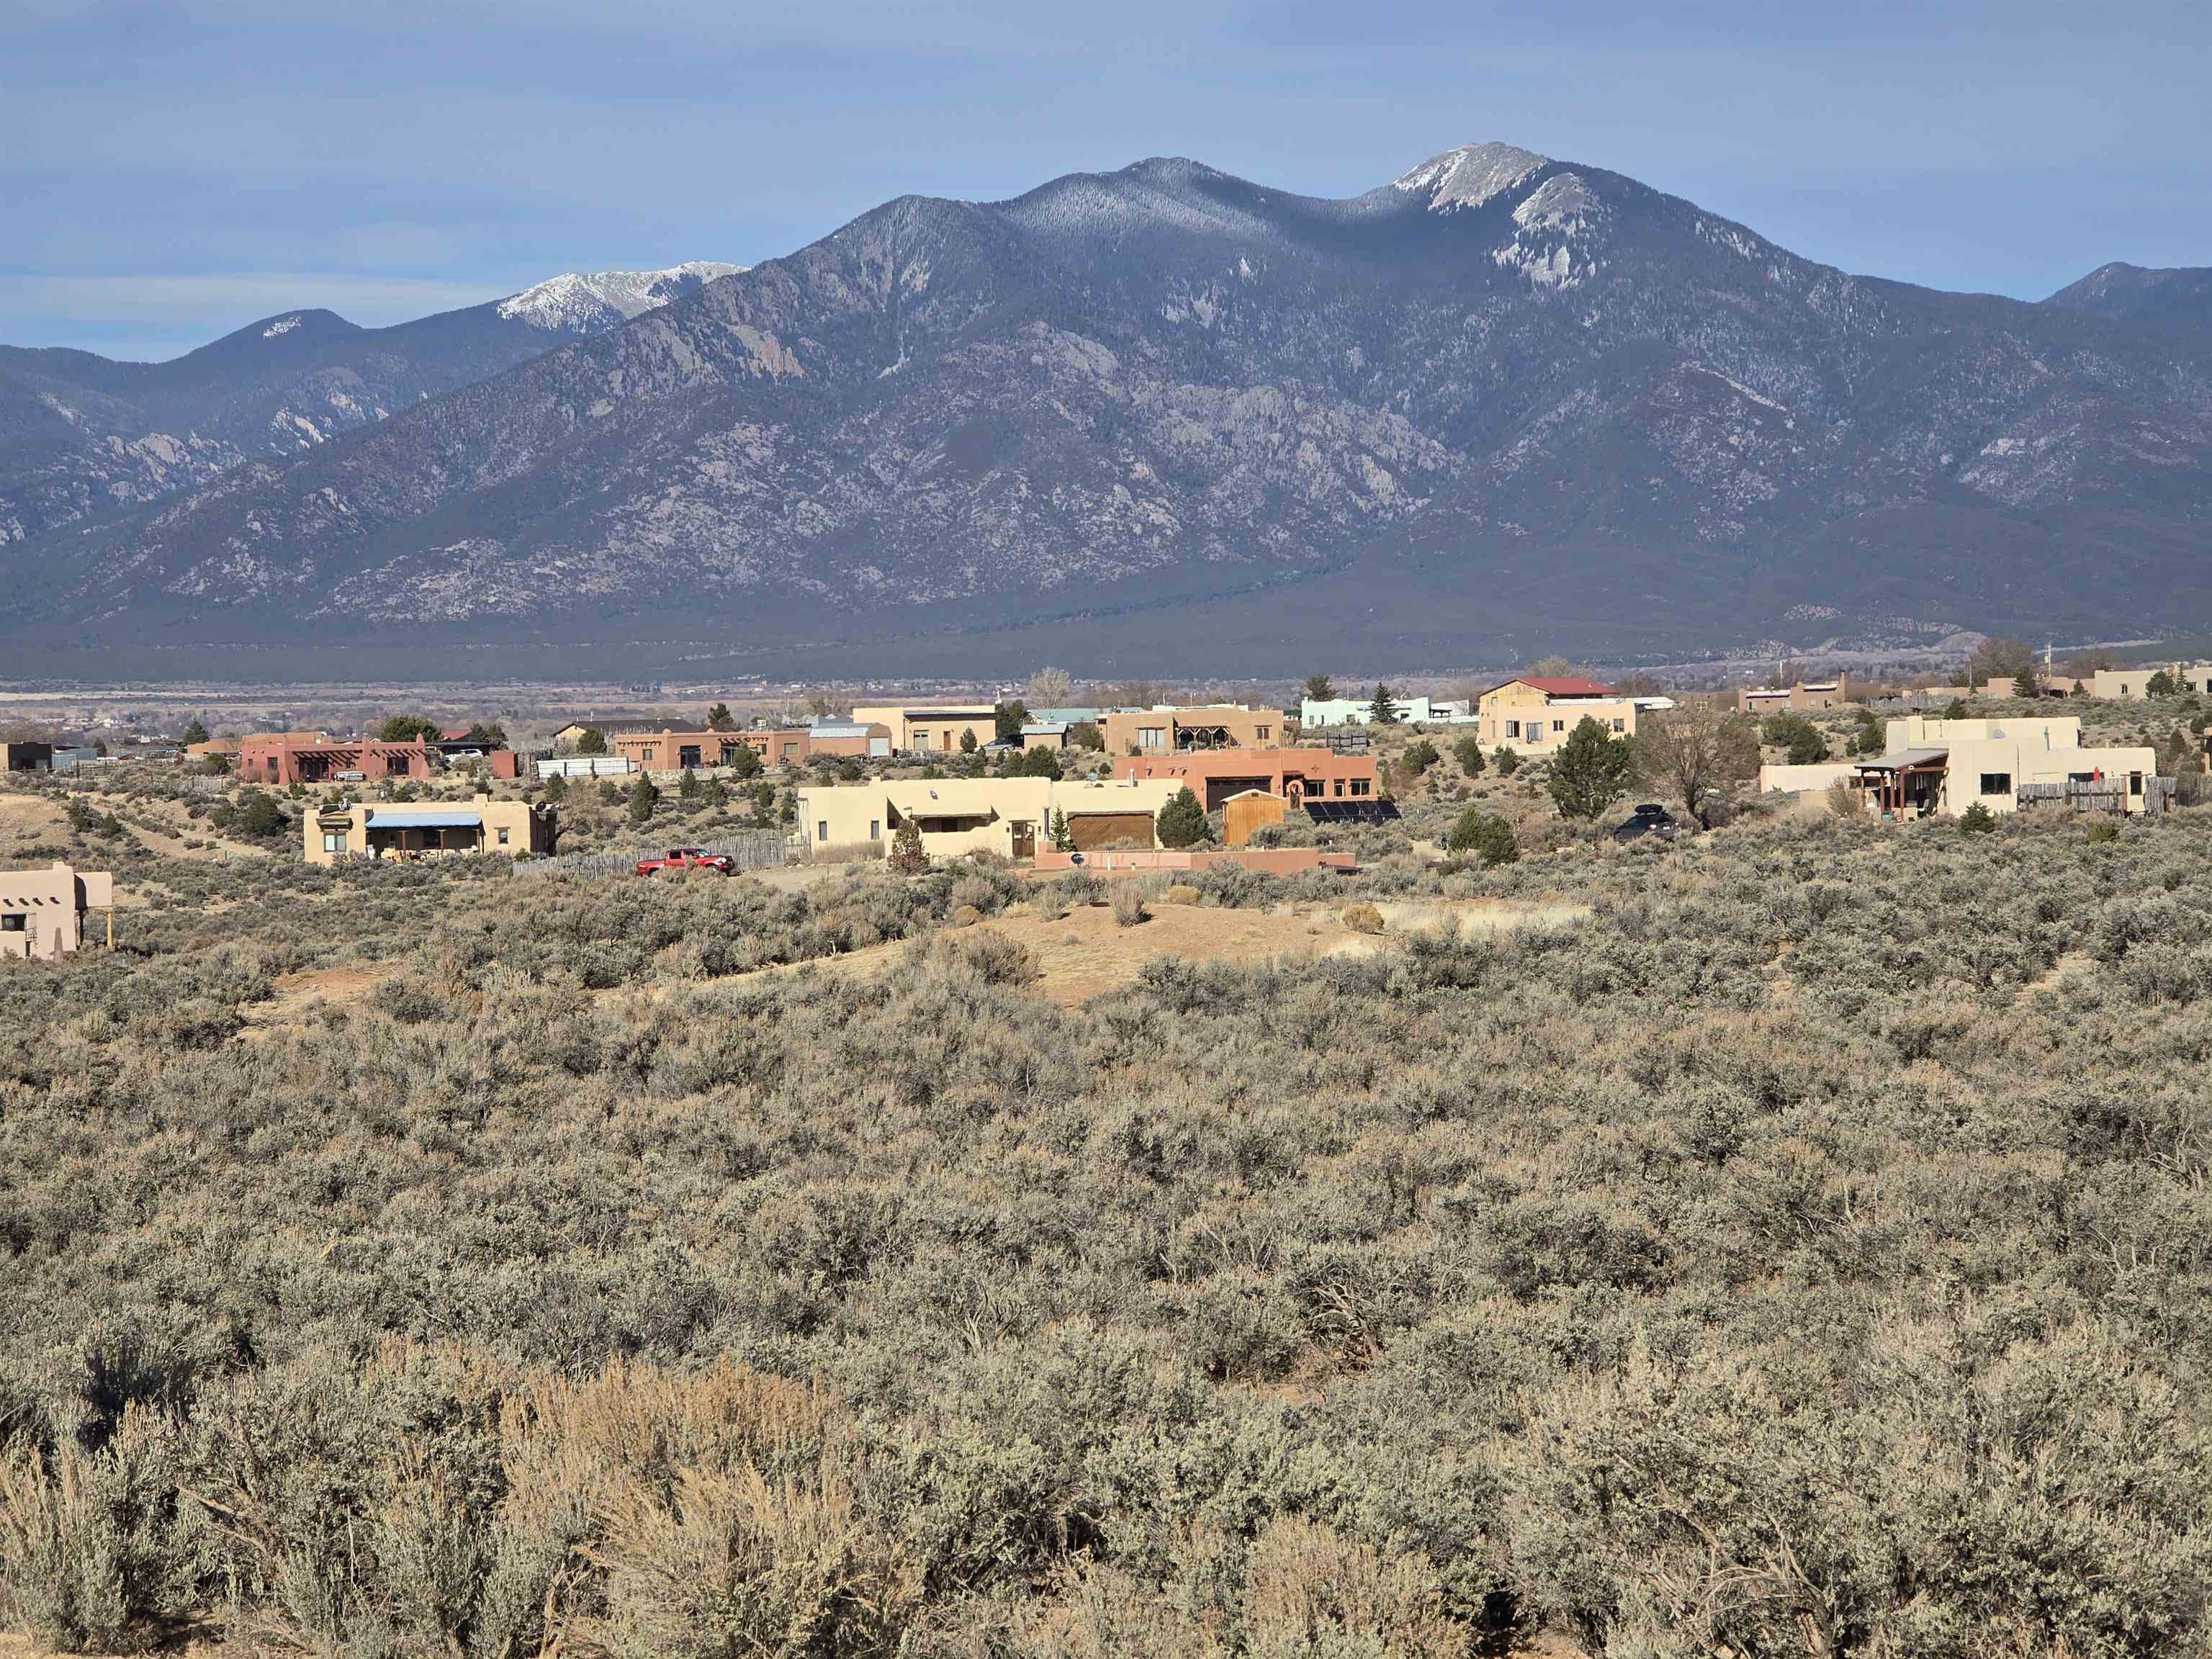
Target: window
{"x": 1513, "y": 728}
{"x": 502, "y": 838}
{"x": 1359, "y": 786}
{"x": 1262, "y": 734}
{"x": 875, "y": 829}
{"x": 921, "y": 739}
{"x": 2134, "y": 783}
{"x": 2081, "y": 777}
{"x": 15, "y": 924}
{"x": 1151, "y": 737}
{"x": 1997, "y": 783}
{"x": 1559, "y": 725}
{"x": 1340, "y": 786}
{"x": 688, "y": 755}
{"x": 790, "y": 752}
{"x": 821, "y": 829}
{"x": 1620, "y": 726}
{"x": 333, "y": 841}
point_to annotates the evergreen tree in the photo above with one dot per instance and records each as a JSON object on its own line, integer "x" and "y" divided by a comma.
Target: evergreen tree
{"x": 1382, "y": 707}
{"x": 1591, "y": 772}
{"x": 1467, "y": 752}
{"x": 1011, "y": 715}
{"x": 196, "y": 730}
{"x": 1320, "y": 689}
{"x": 687, "y": 785}
{"x": 744, "y": 762}
{"x": 1182, "y": 822}
{"x": 2025, "y": 685}
{"x": 591, "y": 741}
{"x": 720, "y": 718}
{"x": 1507, "y": 761}
{"x": 1062, "y": 842}
{"x": 1486, "y": 836}
{"x": 968, "y": 740}
{"x": 644, "y": 795}
{"x": 906, "y": 856}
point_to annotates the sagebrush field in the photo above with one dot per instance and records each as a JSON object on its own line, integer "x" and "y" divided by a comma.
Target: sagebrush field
{"x": 1792, "y": 1241}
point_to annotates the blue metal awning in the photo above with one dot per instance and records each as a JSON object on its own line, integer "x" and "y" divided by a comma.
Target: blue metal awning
{"x": 386, "y": 818}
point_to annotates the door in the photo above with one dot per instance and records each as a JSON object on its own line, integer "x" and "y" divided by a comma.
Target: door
{"x": 1025, "y": 838}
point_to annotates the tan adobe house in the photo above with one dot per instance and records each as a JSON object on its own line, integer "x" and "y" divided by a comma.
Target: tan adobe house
{"x": 1535, "y": 714}
{"x": 1794, "y": 699}
{"x": 1011, "y": 817}
{"x": 1930, "y": 767}
{"x": 679, "y": 751}
{"x": 2131, "y": 684}
{"x": 1294, "y": 775}
{"x": 42, "y": 911}
{"x": 381, "y": 829}
{"x": 931, "y": 728}
{"x": 1171, "y": 729}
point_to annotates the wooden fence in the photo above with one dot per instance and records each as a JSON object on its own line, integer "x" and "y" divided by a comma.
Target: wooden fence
{"x": 2105, "y": 795}
{"x": 754, "y": 849}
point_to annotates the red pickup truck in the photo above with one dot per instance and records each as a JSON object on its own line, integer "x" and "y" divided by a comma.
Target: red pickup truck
{"x": 686, "y": 857}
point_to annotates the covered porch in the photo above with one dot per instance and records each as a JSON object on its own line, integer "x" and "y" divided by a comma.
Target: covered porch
{"x": 1906, "y": 785}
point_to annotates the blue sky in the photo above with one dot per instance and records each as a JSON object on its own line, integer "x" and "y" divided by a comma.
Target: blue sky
{"x": 170, "y": 172}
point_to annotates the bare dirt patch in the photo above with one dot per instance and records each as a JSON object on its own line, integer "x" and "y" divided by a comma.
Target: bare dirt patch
{"x": 1083, "y": 953}
{"x": 298, "y": 992}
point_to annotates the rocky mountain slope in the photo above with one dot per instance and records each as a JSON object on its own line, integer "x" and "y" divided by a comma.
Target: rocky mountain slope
{"x": 80, "y": 435}
{"x": 1499, "y": 400}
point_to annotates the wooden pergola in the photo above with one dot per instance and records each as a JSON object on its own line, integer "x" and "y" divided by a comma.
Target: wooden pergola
{"x": 1910, "y": 783}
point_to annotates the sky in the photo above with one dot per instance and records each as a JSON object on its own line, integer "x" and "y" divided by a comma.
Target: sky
{"x": 171, "y": 172}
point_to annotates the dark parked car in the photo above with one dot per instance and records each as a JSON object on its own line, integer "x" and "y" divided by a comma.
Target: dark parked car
{"x": 1648, "y": 820}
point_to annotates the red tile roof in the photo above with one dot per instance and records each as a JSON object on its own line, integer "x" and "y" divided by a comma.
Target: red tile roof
{"x": 1571, "y": 686}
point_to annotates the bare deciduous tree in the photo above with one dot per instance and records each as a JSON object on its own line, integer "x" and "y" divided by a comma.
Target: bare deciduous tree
{"x": 1694, "y": 753}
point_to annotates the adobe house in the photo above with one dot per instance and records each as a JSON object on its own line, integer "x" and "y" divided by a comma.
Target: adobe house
{"x": 1800, "y": 698}
{"x": 1296, "y": 775}
{"x": 930, "y": 729}
{"x": 854, "y": 739}
{"x": 681, "y": 751}
{"x": 1011, "y": 817}
{"x": 1535, "y": 714}
{"x": 282, "y": 759}
{"x": 42, "y": 911}
{"x": 379, "y": 830}
{"x": 1174, "y": 729}
{"x": 1930, "y": 767}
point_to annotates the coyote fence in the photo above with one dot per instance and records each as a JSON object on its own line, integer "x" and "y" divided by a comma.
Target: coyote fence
{"x": 2105, "y": 795}
{"x": 755, "y": 849}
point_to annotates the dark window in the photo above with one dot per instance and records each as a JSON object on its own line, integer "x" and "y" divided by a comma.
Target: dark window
{"x": 1997, "y": 783}
{"x": 1359, "y": 786}
{"x": 15, "y": 924}
{"x": 875, "y": 829}
{"x": 2134, "y": 783}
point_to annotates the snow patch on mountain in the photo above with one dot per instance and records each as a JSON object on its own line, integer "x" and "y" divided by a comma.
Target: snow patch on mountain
{"x": 593, "y": 302}
{"x": 1563, "y": 203}
{"x": 1472, "y": 174}
{"x": 282, "y": 326}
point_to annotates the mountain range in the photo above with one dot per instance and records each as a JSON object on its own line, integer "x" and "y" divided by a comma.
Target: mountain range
{"x": 80, "y": 435}
{"x": 1163, "y": 417}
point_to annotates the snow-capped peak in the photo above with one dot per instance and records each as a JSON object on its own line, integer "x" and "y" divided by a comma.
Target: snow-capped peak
{"x": 1472, "y": 174}
{"x": 593, "y": 302}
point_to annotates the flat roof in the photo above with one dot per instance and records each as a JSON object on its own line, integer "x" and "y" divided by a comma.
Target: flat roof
{"x": 384, "y": 818}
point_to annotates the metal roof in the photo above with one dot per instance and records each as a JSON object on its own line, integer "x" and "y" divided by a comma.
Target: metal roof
{"x": 386, "y": 818}
{"x": 1902, "y": 759}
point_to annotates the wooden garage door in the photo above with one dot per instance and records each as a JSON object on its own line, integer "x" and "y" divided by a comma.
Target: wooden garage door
{"x": 1091, "y": 831}
{"x": 1218, "y": 790}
